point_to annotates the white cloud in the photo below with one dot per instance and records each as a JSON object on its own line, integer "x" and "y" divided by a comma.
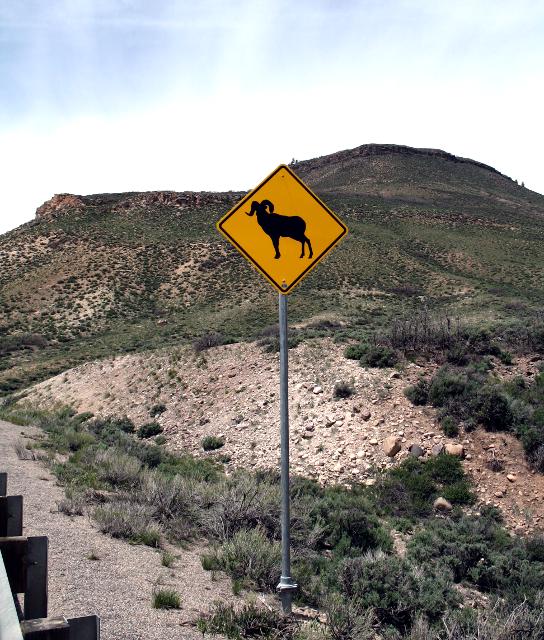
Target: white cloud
{"x": 110, "y": 97}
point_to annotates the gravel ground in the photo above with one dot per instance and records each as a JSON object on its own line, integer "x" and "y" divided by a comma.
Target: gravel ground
{"x": 118, "y": 587}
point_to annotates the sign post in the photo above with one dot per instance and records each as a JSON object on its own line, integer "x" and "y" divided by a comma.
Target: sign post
{"x": 286, "y": 585}
{"x": 284, "y": 230}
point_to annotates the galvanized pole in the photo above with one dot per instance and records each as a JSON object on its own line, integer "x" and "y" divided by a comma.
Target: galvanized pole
{"x": 286, "y": 585}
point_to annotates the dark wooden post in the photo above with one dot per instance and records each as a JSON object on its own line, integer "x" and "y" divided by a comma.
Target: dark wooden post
{"x": 25, "y": 560}
{"x": 85, "y": 628}
{"x": 3, "y": 483}
{"x": 36, "y": 578}
{"x": 11, "y": 516}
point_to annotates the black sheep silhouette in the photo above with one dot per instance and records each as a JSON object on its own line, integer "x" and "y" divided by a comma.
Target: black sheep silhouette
{"x": 277, "y": 226}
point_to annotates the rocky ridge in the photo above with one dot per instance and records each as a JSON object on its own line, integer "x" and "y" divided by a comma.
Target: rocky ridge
{"x": 125, "y": 202}
{"x": 370, "y": 150}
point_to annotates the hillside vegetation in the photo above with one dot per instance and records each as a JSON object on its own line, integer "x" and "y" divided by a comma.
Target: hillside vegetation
{"x": 113, "y": 273}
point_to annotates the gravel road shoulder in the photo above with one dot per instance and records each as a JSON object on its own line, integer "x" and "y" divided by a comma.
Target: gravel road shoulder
{"x": 118, "y": 587}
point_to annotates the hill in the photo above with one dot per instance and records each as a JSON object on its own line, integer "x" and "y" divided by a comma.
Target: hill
{"x": 112, "y": 273}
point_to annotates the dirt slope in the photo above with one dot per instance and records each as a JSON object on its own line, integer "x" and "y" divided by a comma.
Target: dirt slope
{"x": 232, "y": 392}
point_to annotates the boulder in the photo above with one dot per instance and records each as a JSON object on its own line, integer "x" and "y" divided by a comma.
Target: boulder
{"x": 415, "y": 450}
{"x": 455, "y": 450}
{"x": 441, "y": 504}
{"x": 365, "y": 414}
{"x": 391, "y": 446}
{"x": 437, "y": 449}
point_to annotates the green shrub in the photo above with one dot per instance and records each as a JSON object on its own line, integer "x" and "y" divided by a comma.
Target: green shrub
{"x": 449, "y": 427}
{"x": 343, "y": 390}
{"x": 245, "y": 501}
{"x": 394, "y": 590}
{"x": 409, "y": 489}
{"x": 174, "y": 502}
{"x": 536, "y": 459}
{"x": 157, "y": 410}
{"x": 208, "y": 341}
{"x": 211, "y": 443}
{"x": 445, "y": 469}
{"x": 458, "y": 355}
{"x": 184, "y": 465}
{"x": 250, "y": 556}
{"x": 378, "y": 356}
{"x": 249, "y": 621}
{"x": 494, "y": 409}
{"x": 498, "y": 621}
{"x": 133, "y": 521}
{"x": 535, "y": 548}
{"x": 355, "y": 351}
{"x": 149, "y": 430}
{"x": 76, "y": 440}
{"x": 166, "y": 599}
{"x": 446, "y": 385}
{"x": 346, "y": 621}
{"x": 167, "y": 559}
{"x": 418, "y": 394}
{"x": 343, "y": 520}
{"x": 74, "y": 502}
{"x": 406, "y": 491}
{"x": 83, "y": 417}
{"x": 112, "y": 424}
{"x": 460, "y": 545}
{"x": 117, "y": 468}
{"x": 458, "y": 493}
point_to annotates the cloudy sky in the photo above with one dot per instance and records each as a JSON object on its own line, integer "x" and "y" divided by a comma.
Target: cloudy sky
{"x": 118, "y": 95}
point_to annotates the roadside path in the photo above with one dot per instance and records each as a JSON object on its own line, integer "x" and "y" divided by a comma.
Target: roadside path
{"x": 118, "y": 587}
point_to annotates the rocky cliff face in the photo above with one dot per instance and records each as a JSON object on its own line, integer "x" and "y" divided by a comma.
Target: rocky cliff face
{"x": 59, "y": 203}
{"x": 125, "y": 202}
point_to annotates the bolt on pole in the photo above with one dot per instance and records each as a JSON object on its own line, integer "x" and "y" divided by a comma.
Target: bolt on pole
{"x": 286, "y": 585}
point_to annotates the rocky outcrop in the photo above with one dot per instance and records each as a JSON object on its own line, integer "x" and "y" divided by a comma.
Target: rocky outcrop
{"x": 63, "y": 203}
{"x": 58, "y": 204}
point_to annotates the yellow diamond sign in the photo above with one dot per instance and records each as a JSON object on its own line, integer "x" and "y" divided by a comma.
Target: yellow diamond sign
{"x": 282, "y": 228}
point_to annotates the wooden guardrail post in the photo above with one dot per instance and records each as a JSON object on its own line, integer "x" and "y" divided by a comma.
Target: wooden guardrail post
{"x": 25, "y": 560}
{"x": 85, "y": 628}
{"x": 11, "y": 516}
{"x": 23, "y": 569}
{"x": 60, "y": 628}
{"x": 36, "y": 577}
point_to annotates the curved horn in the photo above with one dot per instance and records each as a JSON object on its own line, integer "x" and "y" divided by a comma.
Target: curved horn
{"x": 254, "y": 206}
{"x": 267, "y": 203}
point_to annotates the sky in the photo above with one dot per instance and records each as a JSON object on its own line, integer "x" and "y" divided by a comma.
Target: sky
{"x": 130, "y": 95}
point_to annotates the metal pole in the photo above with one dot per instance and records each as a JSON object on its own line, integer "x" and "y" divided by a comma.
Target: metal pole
{"x": 286, "y": 585}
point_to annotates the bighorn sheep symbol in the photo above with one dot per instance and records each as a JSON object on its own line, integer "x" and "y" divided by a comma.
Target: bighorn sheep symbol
{"x": 277, "y": 226}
